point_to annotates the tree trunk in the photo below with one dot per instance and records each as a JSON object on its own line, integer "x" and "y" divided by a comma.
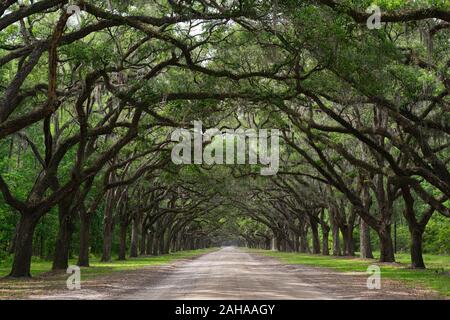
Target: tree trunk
{"x": 85, "y": 225}
{"x": 415, "y": 229}
{"x": 416, "y": 248}
{"x": 386, "y": 245}
{"x": 364, "y": 240}
{"x": 336, "y": 241}
{"x": 325, "y": 248}
{"x": 315, "y": 237}
{"x": 65, "y": 231}
{"x": 349, "y": 242}
{"x": 24, "y": 246}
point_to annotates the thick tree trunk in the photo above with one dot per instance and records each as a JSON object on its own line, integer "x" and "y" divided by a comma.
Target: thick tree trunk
{"x": 349, "y": 242}
{"x": 336, "y": 241}
{"x": 364, "y": 240}
{"x": 315, "y": 237}
{"x": 416, "y": 248}
{"x": 65, "y": 231}
{"x": 85, "y": 225}
{"x": 123, "y": 242}
{"x": 24, "y": 246}
{"x": 386, "y": 245}
{"x": 415, "y": 229}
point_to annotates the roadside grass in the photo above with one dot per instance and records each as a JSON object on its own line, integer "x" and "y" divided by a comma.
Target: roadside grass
{"x": 436, "y": 277}
{"x": 44, "y": 279}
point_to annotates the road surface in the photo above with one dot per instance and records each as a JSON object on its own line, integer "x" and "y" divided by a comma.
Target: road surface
{"x": 233, "y": 274}
{"x": 237, "y": 275}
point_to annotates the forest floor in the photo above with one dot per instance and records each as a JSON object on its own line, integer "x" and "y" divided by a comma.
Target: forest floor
{"x": 231, "y": 273}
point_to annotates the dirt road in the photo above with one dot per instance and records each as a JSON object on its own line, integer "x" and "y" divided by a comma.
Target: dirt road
{"x": 234, "y": 274}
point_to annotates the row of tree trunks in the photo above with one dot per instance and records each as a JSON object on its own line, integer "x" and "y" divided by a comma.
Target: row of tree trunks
{"x": 281, "y": 240}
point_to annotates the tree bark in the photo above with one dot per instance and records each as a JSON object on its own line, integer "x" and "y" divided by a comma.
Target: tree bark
{"x": 386, "y": 245}
{"x": 65, "y": 231}
{"x": 364, "y": 240}
{"x": 416, "y": 230}
{"x": 336, "y": 241}
{"x": 349, "y": 242}
{"x": 315, "y": 236}
{"x": 416, "y": 248}
{"x": 24, "y": 246}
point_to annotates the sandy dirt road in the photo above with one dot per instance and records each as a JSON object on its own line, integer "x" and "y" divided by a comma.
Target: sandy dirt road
{"x": 233, "y": 274}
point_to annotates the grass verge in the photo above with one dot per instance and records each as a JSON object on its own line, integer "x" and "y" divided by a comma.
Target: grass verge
{"x": 436, "y": 277}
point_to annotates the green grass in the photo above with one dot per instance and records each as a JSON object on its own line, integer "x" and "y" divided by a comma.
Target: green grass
{"x": 436, "y": 277}
{"x": 40, "y": 267}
